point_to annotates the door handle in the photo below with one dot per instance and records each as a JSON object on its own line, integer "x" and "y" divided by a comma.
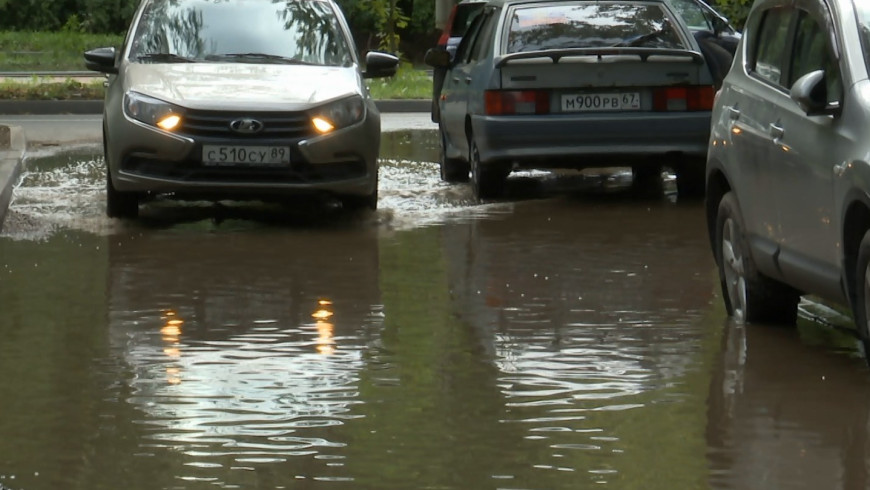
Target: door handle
{"x": 776, "y": 131}
{"x": 733, "y": 113}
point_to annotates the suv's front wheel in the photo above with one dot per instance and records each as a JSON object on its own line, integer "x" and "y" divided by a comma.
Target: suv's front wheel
{"x": 862, "y": 294}
{"x": 749, "y": 296}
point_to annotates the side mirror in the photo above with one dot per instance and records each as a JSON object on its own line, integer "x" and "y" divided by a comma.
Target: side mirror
{"x": 101, "y": 60}
{"x": 437, "y": 58}
{"x": 380, "y": 65}
{"x": 811, "y": 94}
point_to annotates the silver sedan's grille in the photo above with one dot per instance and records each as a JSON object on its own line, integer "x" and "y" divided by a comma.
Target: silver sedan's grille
{"x": 275, "y": 125}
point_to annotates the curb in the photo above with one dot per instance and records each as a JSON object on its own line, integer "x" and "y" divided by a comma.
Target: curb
{"x": 12, "y": 146}
{"x": 49, "y": 107}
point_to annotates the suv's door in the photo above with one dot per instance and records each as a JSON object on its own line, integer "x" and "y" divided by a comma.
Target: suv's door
{"x": 808, "y": 150}
{"x": 751, "y": 101}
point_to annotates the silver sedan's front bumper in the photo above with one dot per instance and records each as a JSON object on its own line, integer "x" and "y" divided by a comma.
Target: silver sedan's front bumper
{"x": 146, "y": 159}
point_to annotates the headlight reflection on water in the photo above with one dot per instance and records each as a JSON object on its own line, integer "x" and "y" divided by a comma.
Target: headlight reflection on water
{"x": 325, "y": 329}
{"x": 171, "y": 335}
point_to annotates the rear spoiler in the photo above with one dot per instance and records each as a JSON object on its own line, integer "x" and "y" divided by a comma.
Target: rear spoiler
{"x": 557, "y": 54}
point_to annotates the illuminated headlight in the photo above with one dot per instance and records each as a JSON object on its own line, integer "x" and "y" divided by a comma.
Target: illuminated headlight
{"x": 151, "y": 111}
{"x": 339, "y": 114}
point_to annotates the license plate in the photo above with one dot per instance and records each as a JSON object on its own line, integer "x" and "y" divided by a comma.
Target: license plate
{"x": 219, "y": 155}
{"x": 622, "y": 101}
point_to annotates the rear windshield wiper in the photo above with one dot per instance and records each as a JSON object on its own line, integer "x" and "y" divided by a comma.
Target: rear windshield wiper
{"x": 637, "y": 41}
{"x": 165, "y": 57}
{"x": 258, "y": 58}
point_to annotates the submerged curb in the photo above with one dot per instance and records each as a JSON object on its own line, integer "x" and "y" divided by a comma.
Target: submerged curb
{"x": 48, "y": 107}
{"x": 12, "y": 146}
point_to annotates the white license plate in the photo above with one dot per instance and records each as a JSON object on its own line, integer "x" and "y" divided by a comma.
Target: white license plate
{"x": 219, "y": 155}
{"x": 623, "y": 101}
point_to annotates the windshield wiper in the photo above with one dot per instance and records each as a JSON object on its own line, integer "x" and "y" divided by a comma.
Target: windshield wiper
{"x": 167, "y": 57}
{"x": 257, "y": 57}
{"x": 637, "y": 41}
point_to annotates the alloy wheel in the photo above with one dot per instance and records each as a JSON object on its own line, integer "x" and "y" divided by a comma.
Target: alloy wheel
{"x": 735, "y": 274}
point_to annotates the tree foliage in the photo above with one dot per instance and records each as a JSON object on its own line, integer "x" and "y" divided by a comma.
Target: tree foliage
{"x": 376, "y": 24}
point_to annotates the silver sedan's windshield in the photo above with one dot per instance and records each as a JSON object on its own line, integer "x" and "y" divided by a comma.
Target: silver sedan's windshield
{"x": 242, "y": 31}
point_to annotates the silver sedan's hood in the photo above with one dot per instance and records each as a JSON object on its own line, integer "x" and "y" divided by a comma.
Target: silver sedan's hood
{"x": 241, "y": 85}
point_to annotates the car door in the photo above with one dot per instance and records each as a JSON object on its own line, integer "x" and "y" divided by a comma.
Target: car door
{"x": 808, "y": 149}
{"x": 457, "y": 84}
{"x": 751, "y": 102}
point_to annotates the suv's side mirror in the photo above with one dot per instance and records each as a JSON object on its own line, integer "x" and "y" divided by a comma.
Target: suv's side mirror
{"x": 810, "y": 92}
{"x": 101, "y": 60}
{"x": 380, "y": 65}
{"x": 437, "y": 57}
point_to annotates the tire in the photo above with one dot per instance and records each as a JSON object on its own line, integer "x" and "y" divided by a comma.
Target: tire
{"x": 749, "y": 296}
{"x": 646, "y": 177}
{"x": 862, "y": 294}
{"x": 358, "y": 203}
{"x": 124, "y": 205}
{"x": 691, "y": 176}
{"x": 453, "y": 170}
{"x": 486, "y": 183}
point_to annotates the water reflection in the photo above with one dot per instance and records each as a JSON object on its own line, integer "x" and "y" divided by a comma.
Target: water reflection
{"x": 242, "y": 350}
{"x": 785, "y": 414}
{"x": 593, "y": 313}
{"x": 563, "y": 339}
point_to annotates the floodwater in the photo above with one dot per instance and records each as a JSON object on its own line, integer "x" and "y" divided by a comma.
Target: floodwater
{"x": 569, "y": 336}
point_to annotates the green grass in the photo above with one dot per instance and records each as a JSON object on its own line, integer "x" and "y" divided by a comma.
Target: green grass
{"x": 49, "y": 51}
{"x": 45, "y": 52}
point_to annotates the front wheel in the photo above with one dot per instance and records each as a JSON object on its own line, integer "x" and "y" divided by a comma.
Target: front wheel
{"x": 691, "y": 175}
{"x": 119, "y": 204}
{"x": 862, "y": 296}
{"x": 749, "y": 296}
{"x": 357, "y": 203}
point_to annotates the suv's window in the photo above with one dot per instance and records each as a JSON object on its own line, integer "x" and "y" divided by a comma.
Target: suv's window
{"x": 590, "y": 25}
{"x": 812, "y": 51}
{"x": 771, "y": 45}
{"x": 862, "y": 10}
{"x": 202, "y": 30}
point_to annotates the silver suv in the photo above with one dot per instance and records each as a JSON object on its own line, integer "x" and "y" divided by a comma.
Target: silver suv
{"x": 250, "y": 99}
{"x": 788, "y": 178}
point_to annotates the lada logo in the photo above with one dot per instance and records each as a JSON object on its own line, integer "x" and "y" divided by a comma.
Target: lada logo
{"x": 246, "y": 126}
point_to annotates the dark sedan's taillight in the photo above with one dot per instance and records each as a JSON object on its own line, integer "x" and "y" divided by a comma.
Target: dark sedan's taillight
{"x": 684, "y": 98}
{"x": 517, "y": 102}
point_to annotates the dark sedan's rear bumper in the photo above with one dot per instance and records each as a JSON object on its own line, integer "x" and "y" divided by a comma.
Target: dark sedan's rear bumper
{"x": 582, "y": 141}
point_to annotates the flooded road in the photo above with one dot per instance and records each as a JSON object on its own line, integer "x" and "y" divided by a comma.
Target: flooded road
{"x": 569, "y": 336}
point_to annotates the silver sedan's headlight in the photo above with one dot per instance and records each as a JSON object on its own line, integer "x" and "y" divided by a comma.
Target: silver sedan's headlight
{"x": 151, "y": 111}
{"x": 338, "y": 114}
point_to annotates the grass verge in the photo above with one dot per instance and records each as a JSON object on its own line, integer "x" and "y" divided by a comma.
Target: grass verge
{"x": 41, "y": 52}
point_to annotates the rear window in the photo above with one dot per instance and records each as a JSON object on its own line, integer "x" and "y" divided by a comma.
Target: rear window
{"x": 591, "y": 25}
